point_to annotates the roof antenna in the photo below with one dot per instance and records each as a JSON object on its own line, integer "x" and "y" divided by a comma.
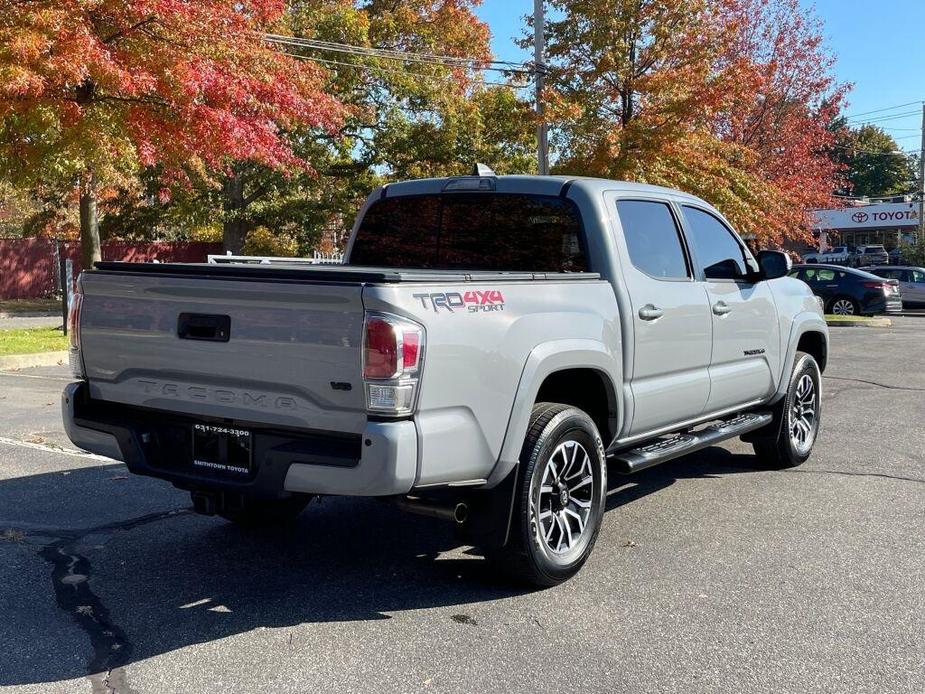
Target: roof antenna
{"x": 482, "y": 170}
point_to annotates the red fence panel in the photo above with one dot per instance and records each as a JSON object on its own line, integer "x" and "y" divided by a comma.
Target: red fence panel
{"x": 28, "y": 266}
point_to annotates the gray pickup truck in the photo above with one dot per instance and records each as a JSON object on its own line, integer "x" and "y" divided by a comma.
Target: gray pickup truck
{"x": 491, "y": 345}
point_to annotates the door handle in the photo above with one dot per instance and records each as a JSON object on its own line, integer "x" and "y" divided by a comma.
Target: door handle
{"x": 721, "y": 308}
{"x": 650, "y": 312}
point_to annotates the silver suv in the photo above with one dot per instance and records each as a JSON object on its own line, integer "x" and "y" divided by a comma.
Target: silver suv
{"x": 870, "y": 255}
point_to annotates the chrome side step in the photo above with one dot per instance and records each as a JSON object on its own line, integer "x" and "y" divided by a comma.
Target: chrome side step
{"x": 665, "y": 449}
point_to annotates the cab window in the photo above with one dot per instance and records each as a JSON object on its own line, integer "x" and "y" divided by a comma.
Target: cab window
{"x": 719, "y": 252}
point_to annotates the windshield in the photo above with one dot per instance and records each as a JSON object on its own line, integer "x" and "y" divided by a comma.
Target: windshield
{"x": 478, "y": 231}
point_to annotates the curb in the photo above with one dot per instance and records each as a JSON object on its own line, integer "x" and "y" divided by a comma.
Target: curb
{"x": 861, "y": 323}
{"x": 27, "y": 361}
{"x": 5, "y": 315}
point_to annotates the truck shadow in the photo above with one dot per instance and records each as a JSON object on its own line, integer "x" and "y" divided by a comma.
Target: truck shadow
{"x": 150, "y": 584}
{"x": 709, "y": 462}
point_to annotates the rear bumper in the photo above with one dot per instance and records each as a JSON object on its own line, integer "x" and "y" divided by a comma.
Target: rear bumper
{"x": 880, "y": 304}
{"x": 381, "y": 461}
{"x": 893, "y": 306}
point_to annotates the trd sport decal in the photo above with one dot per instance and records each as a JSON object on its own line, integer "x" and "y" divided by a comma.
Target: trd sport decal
{"x": 473, "y": 301}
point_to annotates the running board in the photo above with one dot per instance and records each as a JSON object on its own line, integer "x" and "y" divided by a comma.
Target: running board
{"x": 665, "y": 449}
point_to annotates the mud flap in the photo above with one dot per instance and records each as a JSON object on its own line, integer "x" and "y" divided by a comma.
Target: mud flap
{"x": 490, "y": 513}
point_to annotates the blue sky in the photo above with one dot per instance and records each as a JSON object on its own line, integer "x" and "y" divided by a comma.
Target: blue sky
{"x": 880, "y": 49}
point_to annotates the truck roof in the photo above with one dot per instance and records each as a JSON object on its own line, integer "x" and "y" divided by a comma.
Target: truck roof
{"x": 540, "y": 185}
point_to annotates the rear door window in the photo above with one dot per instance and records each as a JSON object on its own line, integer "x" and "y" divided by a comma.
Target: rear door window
{"x": 653, "y": 239}
{"x": 479, "y": 231}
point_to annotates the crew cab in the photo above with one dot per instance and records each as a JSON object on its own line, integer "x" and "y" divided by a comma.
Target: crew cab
{"x": 490, "y": 349}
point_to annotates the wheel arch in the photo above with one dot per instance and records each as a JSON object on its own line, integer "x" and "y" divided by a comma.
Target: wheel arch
{"x": 581, "y": 373}
{"x": 815, "y": 343}
{"x": 808, "y": 333}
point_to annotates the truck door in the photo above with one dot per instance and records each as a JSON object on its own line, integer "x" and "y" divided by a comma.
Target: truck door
{"x": 746, "y": 332}
{"x": 671, "y": 318}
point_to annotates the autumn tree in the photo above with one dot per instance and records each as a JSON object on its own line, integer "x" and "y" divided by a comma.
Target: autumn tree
{"x": 92, "y": 91}
{"x": 402, "y": 119}
{"x": 727, "y": 99}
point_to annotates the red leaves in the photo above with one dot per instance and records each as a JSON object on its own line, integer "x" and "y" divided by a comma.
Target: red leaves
{"x": 728, "y": 99}
{"x": 175, "y": 80}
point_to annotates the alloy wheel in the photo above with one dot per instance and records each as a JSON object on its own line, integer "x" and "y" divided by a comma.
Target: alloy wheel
{"x": 803, "y": 417}
{"x": 563, "y": 503}
{"x": 843, "y": 307}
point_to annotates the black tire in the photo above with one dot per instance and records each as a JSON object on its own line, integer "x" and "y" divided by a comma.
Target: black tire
{"x": 855, "y": 308}
{"x": 778, "y": 448}
{"x": 265, "y": 513}
{"x": 528, "y": 557}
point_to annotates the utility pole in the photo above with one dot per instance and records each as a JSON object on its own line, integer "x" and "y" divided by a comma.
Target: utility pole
{"x": 539, "y": 79}
{"x": 921, "y": 191}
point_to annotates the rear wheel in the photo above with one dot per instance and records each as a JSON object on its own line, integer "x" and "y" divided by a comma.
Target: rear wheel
{"x": 256, "y": 513}
{"x": 844, "y": 306}
{"x": 790, "y": 437}
{"x": 559, "y": 500}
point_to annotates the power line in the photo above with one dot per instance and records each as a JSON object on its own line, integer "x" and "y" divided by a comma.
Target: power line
{"x": 374, "y": 68}
{"x": 400, "y": 56}
{"x": 885, "y": 118}
{"x": 881, "y": 110}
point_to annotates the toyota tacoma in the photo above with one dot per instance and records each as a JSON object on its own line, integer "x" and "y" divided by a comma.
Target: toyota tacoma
{"x": 489, "y": 349}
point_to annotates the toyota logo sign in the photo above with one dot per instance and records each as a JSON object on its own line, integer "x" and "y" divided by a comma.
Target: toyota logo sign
{"x": 859, "y": 217}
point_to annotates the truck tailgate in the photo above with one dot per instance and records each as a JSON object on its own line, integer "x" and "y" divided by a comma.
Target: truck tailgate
{"x": 291, "y": 355}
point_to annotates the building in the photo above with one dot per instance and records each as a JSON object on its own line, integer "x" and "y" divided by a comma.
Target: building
{"x": 885, "y": 223}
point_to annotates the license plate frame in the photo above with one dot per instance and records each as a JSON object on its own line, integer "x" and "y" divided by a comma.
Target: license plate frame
{"x": 222, "y": 450}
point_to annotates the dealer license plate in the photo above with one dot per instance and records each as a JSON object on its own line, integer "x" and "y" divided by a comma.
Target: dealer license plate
{"x": 222, "y": 449}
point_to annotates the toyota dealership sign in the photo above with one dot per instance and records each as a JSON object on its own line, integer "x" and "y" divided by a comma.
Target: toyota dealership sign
{"x": 888, "y": 215}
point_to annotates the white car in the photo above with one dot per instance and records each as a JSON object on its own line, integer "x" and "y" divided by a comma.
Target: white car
{"x": 911, "y": 280}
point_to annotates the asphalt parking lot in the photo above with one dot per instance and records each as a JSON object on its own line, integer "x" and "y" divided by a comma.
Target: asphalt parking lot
{"x": 709, "y": 575}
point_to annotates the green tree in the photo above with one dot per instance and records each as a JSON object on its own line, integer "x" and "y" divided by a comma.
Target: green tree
{"x": 873, "y": 164}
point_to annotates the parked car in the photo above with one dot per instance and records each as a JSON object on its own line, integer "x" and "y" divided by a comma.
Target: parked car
{"x": 850, "y": 292}
{"x": 869, "y": 255}
{"x": 911, "y": 281}
{"x": 836, "y": 254}
{"x": 489, "y": 343}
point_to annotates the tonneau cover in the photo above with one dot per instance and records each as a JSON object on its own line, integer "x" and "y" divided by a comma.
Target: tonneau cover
{"x": 331, "y": 273}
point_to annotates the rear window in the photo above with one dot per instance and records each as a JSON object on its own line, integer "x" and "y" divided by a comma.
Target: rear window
{"x": 482, "y": 231}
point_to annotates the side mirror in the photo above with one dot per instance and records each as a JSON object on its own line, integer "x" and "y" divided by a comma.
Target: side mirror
{"x": 773, "y": 264}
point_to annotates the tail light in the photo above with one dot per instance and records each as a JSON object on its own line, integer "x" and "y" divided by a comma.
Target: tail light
{"x": 73, "y": 334}
{"x": 885, "y": 286}
{"x": 393, "y": 351}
